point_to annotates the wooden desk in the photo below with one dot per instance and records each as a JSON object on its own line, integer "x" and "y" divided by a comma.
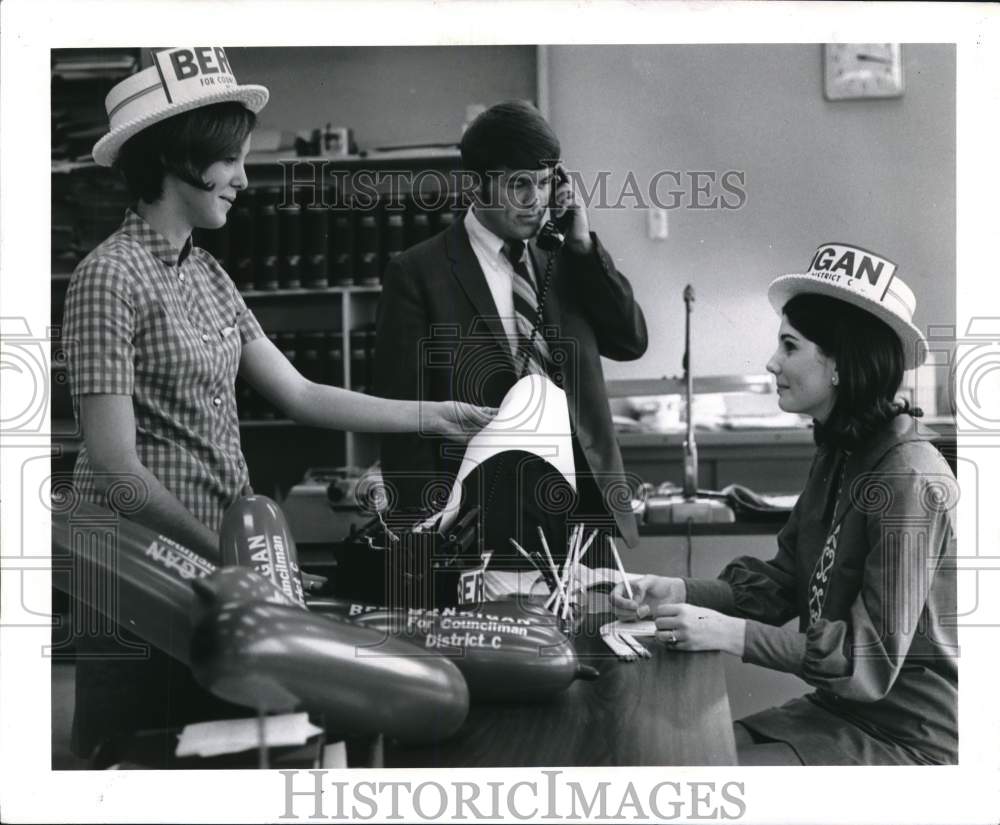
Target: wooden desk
{"x": 669, "y": 710}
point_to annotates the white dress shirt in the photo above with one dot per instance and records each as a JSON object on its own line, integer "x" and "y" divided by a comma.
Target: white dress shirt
{"x": 499, "y": 272}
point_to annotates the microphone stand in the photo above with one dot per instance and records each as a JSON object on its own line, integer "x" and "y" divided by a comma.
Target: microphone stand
{"x": 690, "y": 447}
{"x": 689, "y": 507}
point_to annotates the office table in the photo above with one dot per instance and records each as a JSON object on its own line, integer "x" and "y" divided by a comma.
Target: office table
{"x": 671, "y": 709}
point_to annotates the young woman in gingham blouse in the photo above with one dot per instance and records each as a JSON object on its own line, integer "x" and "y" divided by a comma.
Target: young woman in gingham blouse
{"x": 157, "y": 332}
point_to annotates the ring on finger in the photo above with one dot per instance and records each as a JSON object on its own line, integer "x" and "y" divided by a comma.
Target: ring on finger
{"x": 671, "y": 637}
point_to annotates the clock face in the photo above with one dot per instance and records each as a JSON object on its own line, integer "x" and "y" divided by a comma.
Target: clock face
{"x": 862, "y": 70}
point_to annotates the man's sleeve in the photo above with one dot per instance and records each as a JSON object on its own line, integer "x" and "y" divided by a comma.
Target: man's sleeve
{"x": 607, "y": 300}
{"x": 410, "y": 463}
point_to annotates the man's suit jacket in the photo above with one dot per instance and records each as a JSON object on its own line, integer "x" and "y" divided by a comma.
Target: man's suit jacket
{"x": 439, "y": 338}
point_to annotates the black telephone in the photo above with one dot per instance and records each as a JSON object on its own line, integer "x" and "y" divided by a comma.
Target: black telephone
{"x": 550, "y": 239}
{"x": 552, "y": 235}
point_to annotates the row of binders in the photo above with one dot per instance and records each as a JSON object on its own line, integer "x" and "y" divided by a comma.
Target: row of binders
{"x": 319, "y": 356}
{"x": 268, "y": 244}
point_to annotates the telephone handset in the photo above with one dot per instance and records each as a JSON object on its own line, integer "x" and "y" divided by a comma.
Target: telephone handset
{"x": 552, "y": 235}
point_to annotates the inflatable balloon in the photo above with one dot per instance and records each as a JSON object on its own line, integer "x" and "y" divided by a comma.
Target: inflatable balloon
{"x": 336, "y": 607}
{"x": 245, "y": 641}
{"x": 278, "y": 657}
{"x": 229, "y": 586}
{"x": 254, "y": 534}
{"x": 507, "y": 650}
{"x": 131, "y": 574}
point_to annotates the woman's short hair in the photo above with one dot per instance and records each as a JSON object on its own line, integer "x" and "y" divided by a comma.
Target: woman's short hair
{"x": 184, "y": 145}
{"x": 869, "y": 359}
{"x": 510, "y": 135}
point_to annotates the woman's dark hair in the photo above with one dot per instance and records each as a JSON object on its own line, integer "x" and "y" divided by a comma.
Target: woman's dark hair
{"x": 511, "y": 135}
{"x": 183, "y": 145}
{"x": 869, "y": 359}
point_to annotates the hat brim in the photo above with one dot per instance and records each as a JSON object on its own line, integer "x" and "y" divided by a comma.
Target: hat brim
{"x": 786, "y": 287}
{"x": 106, "y": 149}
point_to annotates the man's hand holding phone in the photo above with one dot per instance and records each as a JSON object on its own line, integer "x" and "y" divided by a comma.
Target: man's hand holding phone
{"x": 569, "y": 213}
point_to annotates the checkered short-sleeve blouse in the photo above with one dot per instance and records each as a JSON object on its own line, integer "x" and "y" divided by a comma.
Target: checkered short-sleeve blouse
{"x": 165, "y": 326}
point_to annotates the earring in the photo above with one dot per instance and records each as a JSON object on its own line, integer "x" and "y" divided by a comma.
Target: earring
{"x": 835, "y": 380}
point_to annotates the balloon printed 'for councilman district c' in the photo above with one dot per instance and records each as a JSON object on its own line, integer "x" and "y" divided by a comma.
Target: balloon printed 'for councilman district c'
{"x": 506, "y": 650}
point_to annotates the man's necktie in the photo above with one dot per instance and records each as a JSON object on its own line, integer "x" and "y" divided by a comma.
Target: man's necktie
{"x": 526, "y": 310}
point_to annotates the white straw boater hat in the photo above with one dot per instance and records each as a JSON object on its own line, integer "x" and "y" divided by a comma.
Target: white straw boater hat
{"x": 181, "y": 78}
{"x": 862, "y": 278}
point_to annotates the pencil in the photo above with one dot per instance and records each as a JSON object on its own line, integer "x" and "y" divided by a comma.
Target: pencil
{"x": 548, "y": 554}
{"x": 621, "y": 568}
{"x": 524, "y": 553}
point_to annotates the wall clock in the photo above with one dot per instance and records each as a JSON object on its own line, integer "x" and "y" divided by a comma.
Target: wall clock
{"x": 862, "y": 70}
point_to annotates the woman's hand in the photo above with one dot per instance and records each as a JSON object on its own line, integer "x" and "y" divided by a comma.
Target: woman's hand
{"x": 648, "y": 591}
{"x": 689, "y": 627}
{"x": 457, "y": 420}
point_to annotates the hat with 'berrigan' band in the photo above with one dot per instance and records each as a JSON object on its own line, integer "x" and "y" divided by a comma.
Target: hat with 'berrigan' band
{"x": 181, "y": 78}
{"x": 864, "y": 279}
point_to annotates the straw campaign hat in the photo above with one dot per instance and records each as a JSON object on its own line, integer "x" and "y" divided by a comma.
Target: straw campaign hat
{"x": 862, "y": 278}
{"x": 181, "y": 78}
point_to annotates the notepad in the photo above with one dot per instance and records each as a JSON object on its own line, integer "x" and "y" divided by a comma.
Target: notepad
{"x": 234, "y": 735}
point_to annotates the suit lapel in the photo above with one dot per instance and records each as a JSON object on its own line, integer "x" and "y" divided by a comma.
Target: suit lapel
{"x": 469, "y": 275}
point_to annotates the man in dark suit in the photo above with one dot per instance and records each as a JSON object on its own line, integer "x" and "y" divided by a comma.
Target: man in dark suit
{"x": 458, "y": 319}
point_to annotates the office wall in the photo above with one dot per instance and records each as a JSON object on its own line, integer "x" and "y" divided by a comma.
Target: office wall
{"x": 880, "y": 174}
{"x": 389, "y": 95}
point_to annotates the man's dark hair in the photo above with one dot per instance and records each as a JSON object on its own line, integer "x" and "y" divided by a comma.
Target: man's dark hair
{"x": 184, "y": 145}
{"x": 869, "y": 358}
{"x": 510, "y": 135}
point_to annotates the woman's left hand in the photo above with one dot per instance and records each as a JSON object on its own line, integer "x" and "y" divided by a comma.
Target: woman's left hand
{"x": 459, "y": 421}
{"x": 689, "y": 627}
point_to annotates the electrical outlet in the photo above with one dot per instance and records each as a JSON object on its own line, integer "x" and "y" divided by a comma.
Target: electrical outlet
{"x": 656, "y": 223}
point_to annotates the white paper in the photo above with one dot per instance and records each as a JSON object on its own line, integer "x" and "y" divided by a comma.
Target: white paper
{"x": 533, "y": 417}
{"x": 235, "y": 735}
{"x": 499, "y": 584}
{"x": 625, "y": 628}
{"x": 335, "y": 756}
